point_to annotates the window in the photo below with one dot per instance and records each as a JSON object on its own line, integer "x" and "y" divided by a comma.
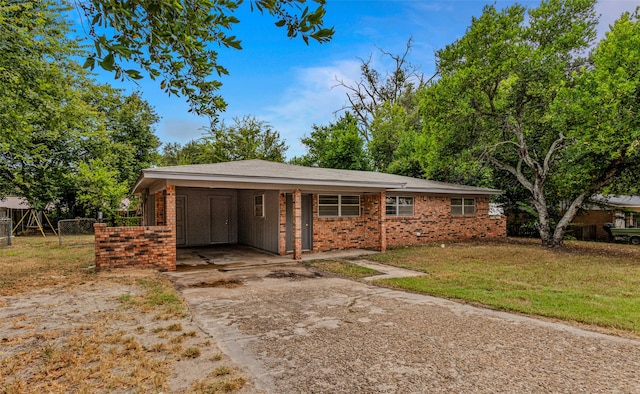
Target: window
{"x": 338, "y": 205}
{"x": 463, "y": 206}
{"x": 399, "y": 206}
{"x": 258, "y": 206}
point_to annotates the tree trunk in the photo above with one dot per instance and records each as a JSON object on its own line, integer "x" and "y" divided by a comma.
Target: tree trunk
{"x": 544, "y": 223}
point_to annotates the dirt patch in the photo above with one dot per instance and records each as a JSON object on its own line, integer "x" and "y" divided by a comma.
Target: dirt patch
{"x": 293, "y": 275}
{"x": 110, "y": 335}
{"x": 227, "y": 283}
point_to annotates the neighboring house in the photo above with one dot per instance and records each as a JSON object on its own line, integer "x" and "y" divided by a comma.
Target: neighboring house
{"x": 284, "y": 209}
{"x": 14, "y": 208}
{"x": 622, "y": 211}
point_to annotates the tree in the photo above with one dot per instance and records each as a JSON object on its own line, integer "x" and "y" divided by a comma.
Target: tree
{"x": 449, "y": 143}
{"x": 176, "y": 41}
{"x": 394, "y": 143}
{"x": 248, "y": 138}
{"x": 41, "y": 113}
{"x": 175, "y": 154}
{"x": 64, "y": 138}
{"x": 97, "y": 188}
{"x": 338, "y": 145}
{"x": 600, "y": 113}
{"x": 515, "y": 82}
{"x": 374, "y": 89}
{"x": 130, "y": 124}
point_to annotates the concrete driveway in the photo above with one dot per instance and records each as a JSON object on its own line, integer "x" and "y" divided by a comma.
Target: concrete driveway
{"x": 295, "y": 331}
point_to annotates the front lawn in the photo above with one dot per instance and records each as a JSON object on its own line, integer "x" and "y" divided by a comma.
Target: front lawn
{"x": 589, "y": 283}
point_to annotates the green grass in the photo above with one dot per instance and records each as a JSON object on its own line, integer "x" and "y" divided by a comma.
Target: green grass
{"x": 344, "y": 268}
{"x": 595, "y": 284}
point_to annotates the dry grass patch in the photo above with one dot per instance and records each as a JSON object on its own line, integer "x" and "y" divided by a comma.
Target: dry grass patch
{"x": 122, "y": 331}
{"x": 223, "y": 386}
{"x": 84, "y": 361}
{"x": 584, "y": 282}
{"x": 33, "y": 262}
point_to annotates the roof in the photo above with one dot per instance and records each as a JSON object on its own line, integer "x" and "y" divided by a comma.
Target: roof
{"x": 618, "y": 201}
{"x": 271, "y": 173}
{"x": 14, "y": 203}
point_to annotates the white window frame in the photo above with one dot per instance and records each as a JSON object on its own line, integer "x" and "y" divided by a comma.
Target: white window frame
{"x": 339, "y": 204}
{"x": 258, "y": 205}
{"x": 396, "y": 206}
{"x": 463, "y": 204}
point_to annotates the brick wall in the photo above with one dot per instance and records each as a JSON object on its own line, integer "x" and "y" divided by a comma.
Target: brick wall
{"x": 348, "y": 232}
{"x": 144, "y": 246}
{"x": 138, "y": 247}
{"x": 433, "y": 222}
{"x": 597, "y": 217}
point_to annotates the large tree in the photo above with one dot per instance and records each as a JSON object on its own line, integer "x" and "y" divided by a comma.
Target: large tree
{"x": 177, "y": 41}
{"x": 62, "y": 134}
{"x": 247, "y": 138}
{"x": 42, "y": 114}
{"x": 376, "y": 88}
{"x": 338, "y": 145}
{"x": 562, "y": 126}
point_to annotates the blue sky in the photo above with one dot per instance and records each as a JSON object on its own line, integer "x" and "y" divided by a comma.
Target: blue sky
{"x": 292, "y": 86}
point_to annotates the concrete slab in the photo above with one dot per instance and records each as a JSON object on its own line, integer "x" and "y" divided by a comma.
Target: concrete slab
{"x": 228, "y": 265}
{"x": 227, "y": 256}
{"x": 388, "y": 271}
{"x": 295, "y": 331}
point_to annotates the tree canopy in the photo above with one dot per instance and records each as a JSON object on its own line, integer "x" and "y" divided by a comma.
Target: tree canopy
{"x": 338, "y": 145}
{"x": 177, "y": 42}
{"x": 524, "y": 97}
{"x": 247, "y": 138}
{"x": 62, "y": 134}
{"x": 525, "y": 101}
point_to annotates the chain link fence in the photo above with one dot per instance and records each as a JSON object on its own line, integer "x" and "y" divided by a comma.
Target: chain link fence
{"x": 76, "y": 231}
{"x": 6, "y": 227}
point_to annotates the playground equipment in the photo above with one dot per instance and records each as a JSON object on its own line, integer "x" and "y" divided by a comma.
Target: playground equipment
{"x": 34, "y": 221}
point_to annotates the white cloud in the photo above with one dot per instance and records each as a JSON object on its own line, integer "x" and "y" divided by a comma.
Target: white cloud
{"x": 312, "y": 98}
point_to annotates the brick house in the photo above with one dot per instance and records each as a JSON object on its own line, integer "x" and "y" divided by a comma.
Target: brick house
{"x": 621, "y": 211}
{"x": 287, "y": 209}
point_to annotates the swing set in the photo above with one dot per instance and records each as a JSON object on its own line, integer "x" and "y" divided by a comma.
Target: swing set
{"x": 34, "y": 222}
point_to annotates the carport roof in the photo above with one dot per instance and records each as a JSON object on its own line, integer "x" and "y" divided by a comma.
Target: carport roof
{"x": 266, "y": 172}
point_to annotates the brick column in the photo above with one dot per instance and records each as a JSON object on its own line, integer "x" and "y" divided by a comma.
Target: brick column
{"x": 160, "y": 216}
{"x": 297, "y": 224}
{"x": 283, "y": 224}
{"x": 170, "y": 221}
{"x": 99, "y": 230}
{"x": 382, "y": 220}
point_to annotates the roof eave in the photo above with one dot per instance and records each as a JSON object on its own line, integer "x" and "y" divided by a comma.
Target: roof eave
{"x": 448, "y": 191}
{"x": 148, "y": 175}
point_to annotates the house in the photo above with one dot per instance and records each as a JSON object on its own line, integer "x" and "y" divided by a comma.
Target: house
{"x": 287, "y": 209}
{"x": 622, "y": 211}
{"x": 14, "y": 208}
